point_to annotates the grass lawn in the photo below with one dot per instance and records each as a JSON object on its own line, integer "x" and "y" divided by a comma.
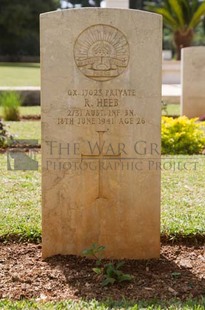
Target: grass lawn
{"x": 25, "y": 129}
{"x": 183, "y": 210}
{"x": 35, "y": 110}
{"x": 20, "y": 202}
{"x": 19, "y": 74}
{"x": 95, "y": 305}
{"x": 173, "y": 109}
{"x": 182, "y": 195}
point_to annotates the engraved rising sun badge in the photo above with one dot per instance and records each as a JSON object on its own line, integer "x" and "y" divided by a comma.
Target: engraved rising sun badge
{"x": 101, "y": 52}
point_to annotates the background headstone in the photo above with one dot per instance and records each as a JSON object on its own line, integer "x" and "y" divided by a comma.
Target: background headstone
{"x": 101, "y": 114}
{"x": 193, "y": 81}
{"x": 124, "y": 4}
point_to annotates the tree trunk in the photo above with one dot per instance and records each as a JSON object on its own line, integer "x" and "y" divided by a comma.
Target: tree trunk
{"x": 182, "y": 39}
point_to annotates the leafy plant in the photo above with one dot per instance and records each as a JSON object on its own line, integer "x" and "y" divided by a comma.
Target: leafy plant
{"x": 11, "y": 102}
{"x": 182, "y": 17}
{"x": 182, "y": 136}
{"x": 5, "y": 137}
{"x": 108, "y": 273}
{"x": 95, "y": 251}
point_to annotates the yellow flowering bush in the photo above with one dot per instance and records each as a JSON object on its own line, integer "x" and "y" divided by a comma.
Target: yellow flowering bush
{"x": 182, "y": 136}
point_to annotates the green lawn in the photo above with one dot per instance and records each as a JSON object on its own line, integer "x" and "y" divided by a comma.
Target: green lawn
{"x": 20, "y": 202}
{"x": 182, "y": 192}
{"x": 25, "y": 129}
{"x": 19, "y": 74}
{"x": 182, "y": 195}
{"x": 34, "y": 110}
{"x": 183, "y": 209}
{"x": 173, "y": 109}
{"x": 96, "y": 305}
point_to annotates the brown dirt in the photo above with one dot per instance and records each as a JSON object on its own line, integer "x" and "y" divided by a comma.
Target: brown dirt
{"x": 180, "y": 273}
{"x": 30, "y": 117}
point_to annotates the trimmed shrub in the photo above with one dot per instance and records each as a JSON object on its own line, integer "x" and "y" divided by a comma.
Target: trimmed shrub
{"x": 182, "y": 136}
{"x": 10, "y": 101}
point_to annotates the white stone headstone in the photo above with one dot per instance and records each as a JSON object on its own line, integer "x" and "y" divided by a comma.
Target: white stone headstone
{"x": 124, "y": 4}
{"x": 193, "y": 81}
{"x": 101, "y": 114}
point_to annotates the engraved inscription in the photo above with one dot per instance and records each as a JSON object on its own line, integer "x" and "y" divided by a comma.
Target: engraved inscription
{"x": 101, "y": 52}
{"x": 101, "y": 117}
{"x": 101, "y": 106}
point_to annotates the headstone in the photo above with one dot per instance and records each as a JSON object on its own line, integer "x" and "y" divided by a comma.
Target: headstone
{"x": 101, "y": 112}
{"x": 193, "y": 81}
{"x": 166, "y": 54}
{"x": 124, "y": 4}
